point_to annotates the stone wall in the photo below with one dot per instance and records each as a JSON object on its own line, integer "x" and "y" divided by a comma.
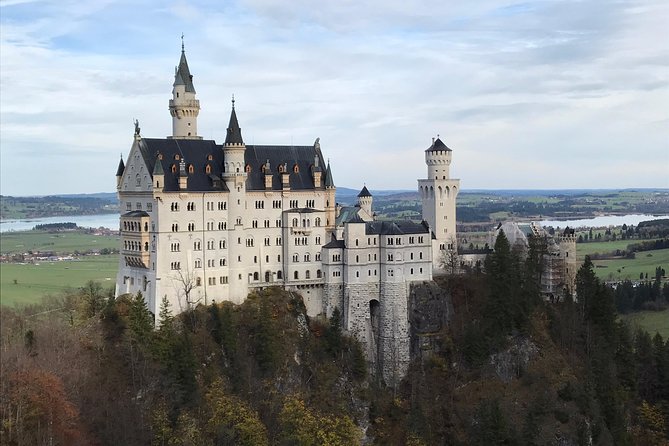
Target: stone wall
{"x": 430, "y": 309}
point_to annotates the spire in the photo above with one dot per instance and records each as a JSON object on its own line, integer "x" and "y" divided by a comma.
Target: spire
{"x": 182, "y": 74}
{"x": 158, "y": 168}
{"x": 121, "y": 168}
{"x": 438, "y": 145}
{"x": 364, "y": 192}
{"x": 234, "y": 135}
{"x": 329, "y": 182}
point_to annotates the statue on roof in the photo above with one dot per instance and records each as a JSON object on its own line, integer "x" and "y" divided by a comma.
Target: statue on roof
{"x": 317, "y": 144}
{"x": 137, "y": 129}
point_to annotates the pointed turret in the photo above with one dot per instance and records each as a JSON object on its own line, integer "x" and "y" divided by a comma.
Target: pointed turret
{"x": 158, "y": 174}
{"x": 121, "y": 168}
{"x": 365, "y": 203}
{"x": 234, "y": 135}
{"x": 184, "y": 107}
{"x": 182, "y": 75}
{"x": 158, "y": 168}
{"x": 364, "y": 192}
{"x": 329, "y": 182}
{"x": 119, "y": 173}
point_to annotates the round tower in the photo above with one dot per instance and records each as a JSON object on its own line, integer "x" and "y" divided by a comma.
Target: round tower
{"x": 438, "y": 195}
{"x": 365, "y": 201}
{"x": 184, "y": 107}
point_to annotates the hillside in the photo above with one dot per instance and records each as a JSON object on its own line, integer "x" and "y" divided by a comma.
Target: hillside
{"x": 493, "y": 364}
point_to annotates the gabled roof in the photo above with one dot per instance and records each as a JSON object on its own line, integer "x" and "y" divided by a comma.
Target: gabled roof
{"x": 121, "y": 168}
{"x": 364, "y": 192}
{"x": 234, "y": 134}
{"x": 438, "y": 145}
{"x": 182, "y": 74}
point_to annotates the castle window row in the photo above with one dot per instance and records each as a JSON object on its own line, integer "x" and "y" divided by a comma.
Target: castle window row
{"x": 135, "y": 246}
{"x": 307, "y": 274}
{"x": 135, "y": 226}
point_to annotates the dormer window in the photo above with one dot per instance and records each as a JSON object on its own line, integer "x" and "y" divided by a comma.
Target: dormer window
{"x": 281, "y": 168}
{"x": 174, "y": 168}
{"x": 160, "y": 156}
{"x": 177, "y": 157}
{"x": 296, "y": 169}
{"x": 191, "y": 169}
{"x": 248, "y": 168}
{"x": 210, "y": 157}
{"x": 207, "y": 169}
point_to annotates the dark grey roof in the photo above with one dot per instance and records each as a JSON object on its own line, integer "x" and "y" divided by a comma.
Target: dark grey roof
{"x": 196, "y": 152}
{"x": 396, "y": 227}
{"x": 329, "y": 182}
{"x": 437, "y": 145}
{"x": 289, "y": 156}
{"x": 121, "y": 168}
{"x": 355, "y": 218}
{"x": 182, "y": 75}
{"x": 346, "y": 213}
{"x": 335, "y": 244}
{"x": 364, "y": 192}
{"x": 135, "y": 214}
{"x": 234, "y": 134}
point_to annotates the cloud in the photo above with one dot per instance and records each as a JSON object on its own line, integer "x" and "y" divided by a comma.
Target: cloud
{"x": 522, "y": 92}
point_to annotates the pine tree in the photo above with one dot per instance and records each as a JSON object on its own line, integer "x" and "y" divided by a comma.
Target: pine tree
{"x": 140, "y": 321}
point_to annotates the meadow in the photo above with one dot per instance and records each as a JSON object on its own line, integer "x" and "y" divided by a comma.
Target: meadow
{"x": 29, "y": 283}
{"x": 622, "y": 269}
{"x": 58, "y": 242}
{"x": 651, "y": 321}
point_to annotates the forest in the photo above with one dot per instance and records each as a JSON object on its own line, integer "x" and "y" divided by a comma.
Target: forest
{"x": 509, "y": 368}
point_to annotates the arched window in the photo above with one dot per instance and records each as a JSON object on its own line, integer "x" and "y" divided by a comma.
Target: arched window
{"x": 279, "y": 275}
{"x": 297, "y": 275}
{"x": 255, "y": 275}
{"x": 319, "y": 274}
{"x": 198, "y": 281}
{"x": 307, "y": 275}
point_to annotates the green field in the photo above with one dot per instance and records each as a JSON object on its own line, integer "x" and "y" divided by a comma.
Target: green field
{"x": 584, "y": 249}
{"x": 621, "y": 269}
{"x": 61, "y": 242}
{"x": 33, "y": 282}
{"x": 651, "y": 321}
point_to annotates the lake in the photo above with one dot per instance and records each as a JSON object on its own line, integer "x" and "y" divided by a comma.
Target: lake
{"x": 603, "y": 221}
{"x": 85, "y": 221}
{"x": 111, "y": 221}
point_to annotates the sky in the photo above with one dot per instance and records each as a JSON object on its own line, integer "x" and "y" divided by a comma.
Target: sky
{"x": 551, "y": 94}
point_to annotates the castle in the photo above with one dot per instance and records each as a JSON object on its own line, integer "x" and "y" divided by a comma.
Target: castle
{"x": 204, "y": 222}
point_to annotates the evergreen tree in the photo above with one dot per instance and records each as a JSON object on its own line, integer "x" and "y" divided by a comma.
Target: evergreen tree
{"x": 140, "y": 320}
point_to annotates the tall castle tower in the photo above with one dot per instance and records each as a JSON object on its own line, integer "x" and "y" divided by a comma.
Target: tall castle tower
{"x": 438, "y": 194}
{"x": 234, "y": 175}
{"x": 184, "y": 107}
